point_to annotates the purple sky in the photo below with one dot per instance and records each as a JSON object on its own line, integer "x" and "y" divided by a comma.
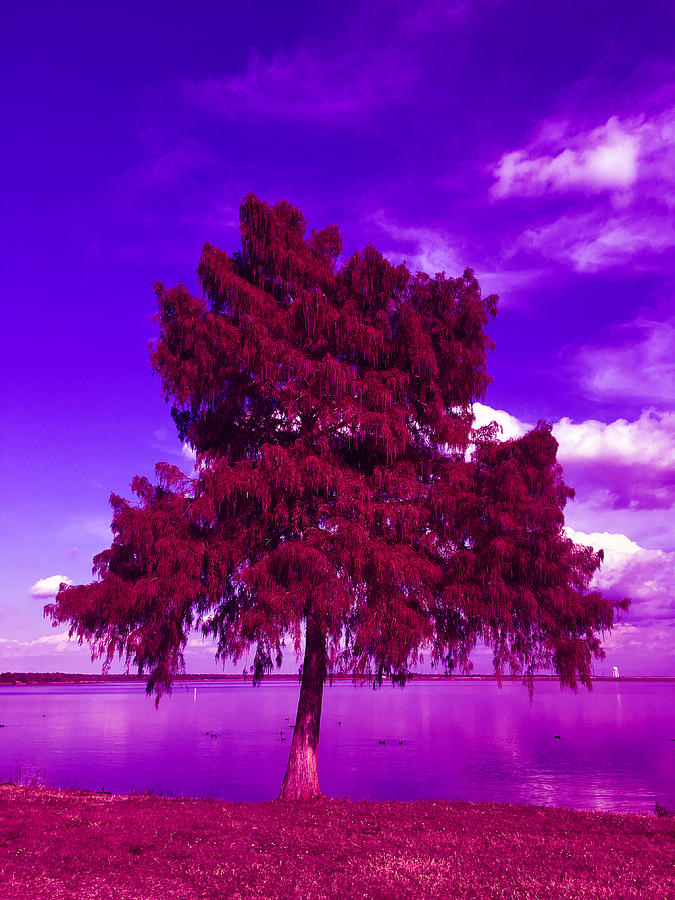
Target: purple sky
{"x": 532, "y": 141}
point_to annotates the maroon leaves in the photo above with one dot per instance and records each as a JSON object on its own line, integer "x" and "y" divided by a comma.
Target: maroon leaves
{"x": 331, "y": 412}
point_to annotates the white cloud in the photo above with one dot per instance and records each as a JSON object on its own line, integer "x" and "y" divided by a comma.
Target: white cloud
{"x": 646, "y": 576}
{"x": 188, "y": 452}
{"x": 58, "y": 640}
{"x": 510, "y": 425}
{"x": 612, "y": 158}
{"x": 49, "y": 587}
{"x": 623, "y": 471}
{"x": 169, "y": 446}
{"x": 629, "y": 161}
{"x": 604, "y": 506}
{"x": 648, "y": 441}
{"x": 595, "y": 241}
{"x": 641, "y": 363}
{"x": 604, "y": 158}
{"x": 618, "y": 548}
{"x": 12, "y": 647}
{"x": 432, "y": 251}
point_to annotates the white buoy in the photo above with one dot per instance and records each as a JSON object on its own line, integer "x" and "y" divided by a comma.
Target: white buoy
{"x": 615, "y": 671}
{"x": 195, "y": 698}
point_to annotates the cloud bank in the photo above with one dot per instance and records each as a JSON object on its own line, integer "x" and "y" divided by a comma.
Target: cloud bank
{"x": 629, "y": 570}
{"x": 619, "y": 178}
{"x": 595, "y": 241}
{"x": 640, "y": 364}
{"x": 623, "y": 471}
{"x": 611, "y": 158}
{"x": 605, "y": 158}
{"x": 648, "y": 440}
{"x": 47, "y": 643}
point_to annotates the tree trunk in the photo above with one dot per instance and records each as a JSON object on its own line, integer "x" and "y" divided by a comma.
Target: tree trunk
{"x": 301, "y": 781}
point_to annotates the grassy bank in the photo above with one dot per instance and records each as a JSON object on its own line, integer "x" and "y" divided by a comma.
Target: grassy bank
{"x": 67, "y": 844}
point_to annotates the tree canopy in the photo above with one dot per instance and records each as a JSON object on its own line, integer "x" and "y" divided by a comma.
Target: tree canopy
{"x": 341, "y": 498}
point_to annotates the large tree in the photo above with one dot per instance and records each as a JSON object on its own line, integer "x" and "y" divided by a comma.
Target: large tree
{"x": 341, "y": 499}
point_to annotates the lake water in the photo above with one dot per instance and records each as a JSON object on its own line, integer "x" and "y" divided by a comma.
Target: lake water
{"x": 461, "y": 740}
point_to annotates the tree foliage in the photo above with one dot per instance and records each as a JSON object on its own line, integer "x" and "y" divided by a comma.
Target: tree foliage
{"x": 339, "y": 482}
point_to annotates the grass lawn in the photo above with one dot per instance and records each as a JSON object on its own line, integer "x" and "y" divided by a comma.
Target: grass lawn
{"x": 74, "y": 844}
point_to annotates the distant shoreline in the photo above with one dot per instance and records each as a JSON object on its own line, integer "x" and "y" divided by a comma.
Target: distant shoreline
{"x": 21, "y": 679}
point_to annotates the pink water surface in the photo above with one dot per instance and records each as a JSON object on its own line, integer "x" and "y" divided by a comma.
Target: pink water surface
{"x": 460, "y": 740}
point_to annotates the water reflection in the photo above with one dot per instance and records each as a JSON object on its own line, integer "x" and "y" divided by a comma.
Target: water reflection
{"x": 610, "y": 749}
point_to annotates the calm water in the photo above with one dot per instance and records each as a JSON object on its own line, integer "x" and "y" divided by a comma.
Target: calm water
{"x": 461, "y": 740}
